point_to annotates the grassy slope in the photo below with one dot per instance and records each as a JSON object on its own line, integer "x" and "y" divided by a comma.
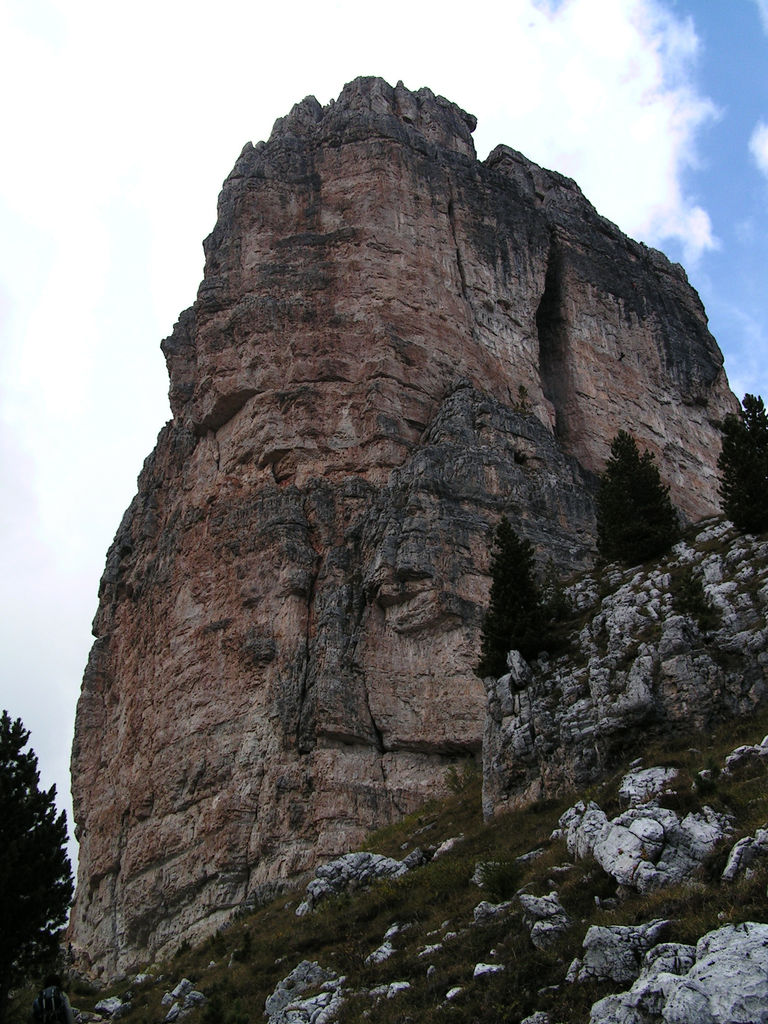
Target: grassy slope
{"x": 259, "y": 949}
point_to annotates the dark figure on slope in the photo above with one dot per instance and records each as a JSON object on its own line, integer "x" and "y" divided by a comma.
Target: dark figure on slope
{"x": 52, "y": 1005}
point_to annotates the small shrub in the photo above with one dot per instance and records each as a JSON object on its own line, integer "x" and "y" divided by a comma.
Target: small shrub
{"x": 81, "y": 987}
{"x": 689, "y": 598}
{"x": 243, "y": 951}
{"x": 713, "y": 865}
{"x": 523, "y": 404}
{"x": 682, "y": 800}
{"x": 236, "y": 1014}
{"x": 213, "y": 1012}
{"x": 705, "y": 785}
{"x": 460, "y": 780}
{"x": 500, "y": 879}
{"x": 580, "y": 886}
{"x": 557, "y": 603}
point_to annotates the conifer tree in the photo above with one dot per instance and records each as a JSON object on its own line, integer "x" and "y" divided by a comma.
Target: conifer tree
{"x": 635, "y": 518}
{"x": 35, "y": 873}
{"x": 515, "y": 618}
{"x": 743, "y": 463}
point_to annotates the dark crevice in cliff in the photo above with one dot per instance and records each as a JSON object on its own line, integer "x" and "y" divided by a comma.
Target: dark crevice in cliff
{"x": 378, "y": 735}
{"x": 225, "y": 408}
{"x": 252, "y": 839}
{"x": 360, "y": 605}
{"x": 553, "y": 341}
{"x": 305, "y": 738}
{"x": 459, "y": 259}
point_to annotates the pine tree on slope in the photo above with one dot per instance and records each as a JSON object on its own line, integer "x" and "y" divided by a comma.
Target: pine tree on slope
{"x": 635, "y": 519}
{"x": 515, "y": 618}
{"x": 35, "y": 873}
{"x": 743, "y": 463}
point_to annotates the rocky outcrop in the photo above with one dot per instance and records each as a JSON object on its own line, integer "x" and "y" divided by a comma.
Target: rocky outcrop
{"x": 183, "y": 1000}
{"x": 723, "y": 979}
{"x": 546, "y": 918}
{"x": 310, "y": 994}
{"x": 393, "y": 344}
{"x": 350, "y": 872}
{"x": 745, "y": 853}
{"x": 646, "y": 847}
{"x": 437, "y": 951}
{"x": 616, "y": 952}
{"x": 680, "y": 645}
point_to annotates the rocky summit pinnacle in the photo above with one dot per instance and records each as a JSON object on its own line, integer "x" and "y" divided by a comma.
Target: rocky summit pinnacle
{"x": 393, "y": 344}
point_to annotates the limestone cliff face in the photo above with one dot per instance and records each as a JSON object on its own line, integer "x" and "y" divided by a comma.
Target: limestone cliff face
{"x": 393, "y": 344}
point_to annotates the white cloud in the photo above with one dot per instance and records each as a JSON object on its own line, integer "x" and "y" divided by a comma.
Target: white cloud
{"x": 609, "y": 97}
{"x": 758, "y": 146}
{"x": 762, "y": 6}
{"x": 745, "y": 361}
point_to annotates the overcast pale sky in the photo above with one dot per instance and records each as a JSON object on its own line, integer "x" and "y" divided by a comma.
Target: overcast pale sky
{"x": 120, "y": 122}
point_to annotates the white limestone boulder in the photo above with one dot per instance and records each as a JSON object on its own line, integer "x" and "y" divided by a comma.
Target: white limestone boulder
{"x": 646, "y": 784}
{"x": 756, "y": 753}
{"x": 726, "y": 983}
{"x": 647, "y": 846}
{"x": 288, "y": 995}
{"x": 617, "y": 952}
{"x": 583, "y": 825}
{"x": 485, "y": 912}
{"x": 546, "y": 918}
{"x": 347, "y": 873}
{"x": 744, "y": 853}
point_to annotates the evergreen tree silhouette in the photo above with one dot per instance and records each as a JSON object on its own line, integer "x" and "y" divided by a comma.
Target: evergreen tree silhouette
{"x": 35, "y": 873}
{"x": 743, "y": 463}
{"x": 515, "y": 618}
{"x": 635, "y": 518}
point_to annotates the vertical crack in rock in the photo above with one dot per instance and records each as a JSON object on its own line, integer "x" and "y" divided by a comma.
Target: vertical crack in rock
{"x": 552, "y": 333}
{"x": 305, "y": 738}
{"x": 358, "y": 601}
{"x": 377, "y": 733}
{"x": 252, "y": 835}
{"x": 459, "y": 260}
